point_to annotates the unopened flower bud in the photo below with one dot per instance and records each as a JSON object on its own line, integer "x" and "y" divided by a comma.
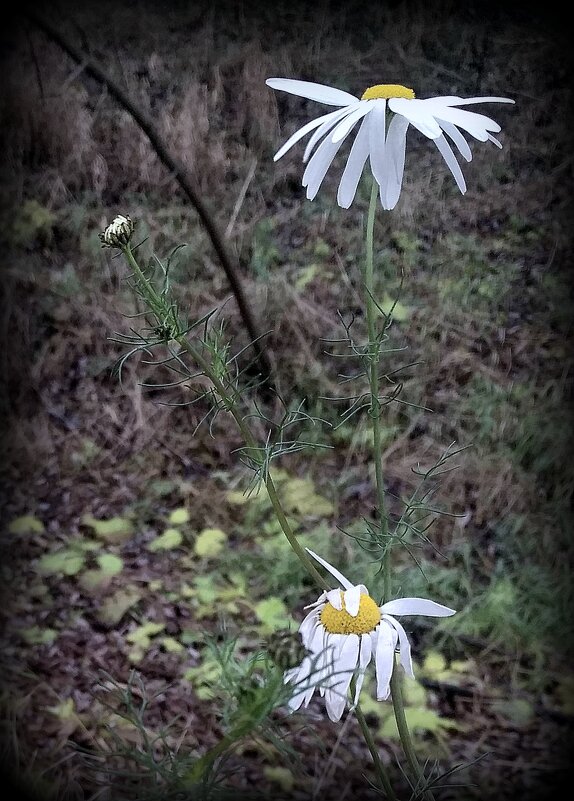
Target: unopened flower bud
{"x": 118, "y": 233}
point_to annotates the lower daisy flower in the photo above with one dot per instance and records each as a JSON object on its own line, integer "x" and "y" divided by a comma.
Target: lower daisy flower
{"x": 342, "y": 633}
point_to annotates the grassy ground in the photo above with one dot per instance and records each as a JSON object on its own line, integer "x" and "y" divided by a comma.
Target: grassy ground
{"x": 485, "y": 306}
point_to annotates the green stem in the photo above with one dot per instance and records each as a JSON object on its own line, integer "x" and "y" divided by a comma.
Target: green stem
{"x": 288, "y": 531}
{"x": 379, "y": 769}
{"x": 230, "y": 404}
{"x": 405, "y": 735}
{"x": 375, "y": 411}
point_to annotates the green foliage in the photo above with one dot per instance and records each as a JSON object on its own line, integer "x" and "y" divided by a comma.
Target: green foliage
{"x": 272, "y": 614}
{"x": 32, "y": 224}
{"x": 67, "y": 562}
{"x": 518, "y": 711}
{"x": 210, "y": 543}
{"x": 115, "y": 606}
{"x": 170, "y": 539}
{"x": 264, "y": 249}
{"x": 394, "y": 307}
{"x": 27, "y": 524}
{"x": 141, "y": 639}
{"x": 179, "y": 516}
{"x": 35, "y": 635}
{"x": 114, "y": 531}
{"x": 211, "y": 597}
{"x": 110, "y": 564}
{"x": 422, "y": 719}
{"x": 299, "y": 496}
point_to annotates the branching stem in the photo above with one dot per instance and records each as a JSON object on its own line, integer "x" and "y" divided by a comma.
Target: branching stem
{"x": 230, "y": 404}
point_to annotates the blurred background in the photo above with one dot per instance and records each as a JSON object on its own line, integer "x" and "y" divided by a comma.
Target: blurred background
{"x": 99, "y": 474}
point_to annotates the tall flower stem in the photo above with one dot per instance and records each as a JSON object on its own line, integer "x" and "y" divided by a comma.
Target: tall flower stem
{"x": 379, "y": 769}
{"x": 373, "y": 355}
{"x": 155, "y": 302}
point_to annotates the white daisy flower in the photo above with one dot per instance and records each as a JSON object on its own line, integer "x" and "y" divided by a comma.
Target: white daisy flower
{"x": 383, "y": 144}
{"x": 344, "y": 630}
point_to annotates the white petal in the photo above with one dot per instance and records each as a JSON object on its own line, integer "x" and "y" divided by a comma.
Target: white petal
{"x": 350, "y": 120}
{"x": 318, "y": 642}
{"x": 349, "y": 655}
{"x": 354, "y": 167}
{"x": 333, "y": 115}
{"x": 332, "y": 645}
{"x": 345, "y": 667}
{"x": 467, "y": 101}
{"x": 476, "y": 124}
{"x": 335, "y": 599}
{"x": 416, "y": 606}
{"x": 333, "y": 571}
{"x": 352, "y": 600}
{"x": 456, "y": 136}
{"x": 312, "y": 91}
{"x": 308, "y": 696}
{"x": 451, "y": 162}
{"x": 384, "y": 659}
{"x": 301, "y": 680}
{"x": 405, "y": 646}
{"x": 395, "y": 150}
{"x": 365, "y": 653}
{"x": 318, "y": 166}
{"x": 291, "y": 674}
{"x": 418, "y": 114}
{"x": 308, "y": 626}
{"x": 377, "y": 135}
{"x": 334, "y": 704}
{"x": 494, "y": 140}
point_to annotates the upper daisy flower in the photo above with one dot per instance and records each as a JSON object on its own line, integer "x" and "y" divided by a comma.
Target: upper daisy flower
{"x": 383, "y": 144}
{"x": 342, "y": 632}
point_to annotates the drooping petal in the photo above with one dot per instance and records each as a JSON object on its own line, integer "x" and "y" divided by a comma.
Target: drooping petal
{"x": 333, "y": 571}
{"x": 301, "y": 681}
{"x": 352, "y": 600}
{"x": 318, "y": 641}
{"x": 418, "y": 114}
{"x": 365, "y": 653}
{"x": 312, "y": 91}
{"x": 477, "y": 125}
{"x": 310, "y": 126}
{"x": 384, "y": 659}
{"x": 451, "y": 100}
{"x": 308, "y": 626}
{"x": 318, "y": 166}
{"x": 344, "y": 668}
{"x": 354, "y": 167}
{"x": 456, "y": 136}
{"x": 451, "y": 162}
{"x": 395, "y": 150}
{"x": 416, "y": 606}
{"x": 404, "y": 645}
{"x": 350, "y": 120}
{"x": 327, "y": 126}
{"x": 494, "y": 140}
{"x": 377, "y": 136}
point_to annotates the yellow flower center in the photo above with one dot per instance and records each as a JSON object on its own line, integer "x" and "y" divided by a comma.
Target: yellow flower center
{"x": 341, "y": 622}
{"x": 384, "y": 91}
